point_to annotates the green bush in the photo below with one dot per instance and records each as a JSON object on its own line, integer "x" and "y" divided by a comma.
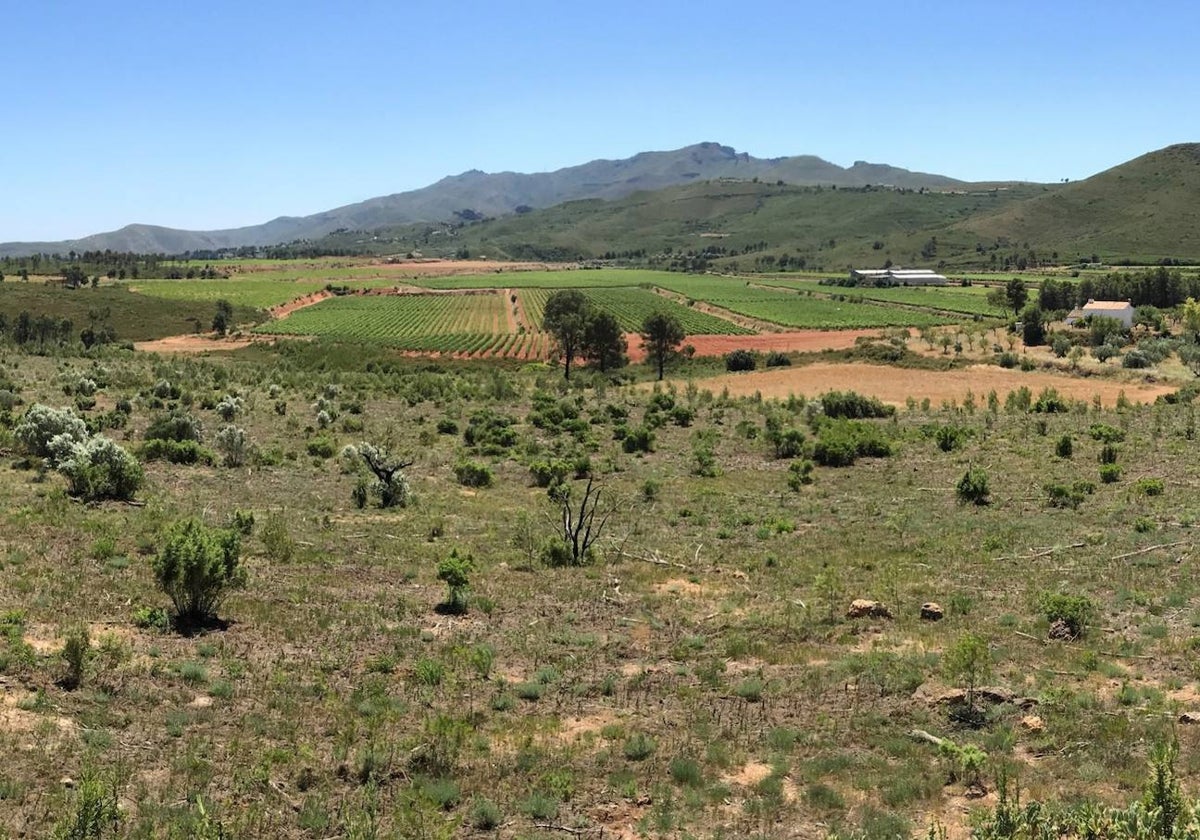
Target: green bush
{"x": 177, "y": 452}
{"x": 949, "y": 438}
{"x": 549, "y": 471}
{"x": 177, "y": 426}
{"x": 455, "y": 571}
{"x": 1076, "y": 611}
{"x": 849, "y": 405}
{"x": 777, "y": 359}
{"x": 973, "y": 487}
{"x": 322, "y": 446}
{"x": 1110, "y": 473}
{"x": 1106, "y": 433}
{"x": 99, "y": 469}
{"x": 473, "y": 474}
{"x": 42, "y": 424}
{"x": 799, "y": 474}
{"x": 639, "y": 747}
{"x": 739, "y": 360}
{"x": 196, "y": 568}
{"x": 1050, "y": 402}
{"x": 640, "y": 439}
{"x": 1068, "y": 496}
{"x": 1065, "y": 447}
{"x": 1150, "y": 486}
{"x": 840, "y": 444}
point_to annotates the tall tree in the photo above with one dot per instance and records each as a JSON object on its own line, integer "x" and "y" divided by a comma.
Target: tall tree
{"x": 661, "y": 333}
{"x": 566, "y": 318}
{"x": 604, "y": 342}
{"x": 1016, "y": 294}
{"x": 223, "y": 317}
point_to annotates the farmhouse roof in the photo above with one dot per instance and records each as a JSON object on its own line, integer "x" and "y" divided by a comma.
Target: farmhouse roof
{"x": 1107, "y": 305}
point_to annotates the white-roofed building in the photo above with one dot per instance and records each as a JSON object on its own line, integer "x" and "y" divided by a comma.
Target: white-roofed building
{"x": 897, "y": 277}
{"x": 1121, "y": 310}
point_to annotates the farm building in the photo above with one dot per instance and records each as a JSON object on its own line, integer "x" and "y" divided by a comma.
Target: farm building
{"x": 896, "y": 277}
{"x": 1122, "y": 310}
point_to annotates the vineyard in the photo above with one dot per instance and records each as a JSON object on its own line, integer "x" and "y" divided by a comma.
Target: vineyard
{"x": 800, "y": 310}
{"x": 968, "y": 300}
{"x": 256, "y": 293}
{"x": 467, "y": 324}
{"x": 630, "y": 306}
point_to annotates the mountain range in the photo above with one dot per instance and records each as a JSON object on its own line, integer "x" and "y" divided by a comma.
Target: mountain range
{"x": 476, "y": 194}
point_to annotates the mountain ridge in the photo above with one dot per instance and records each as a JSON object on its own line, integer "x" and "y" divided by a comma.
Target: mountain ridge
{"x": 502, "y": 193}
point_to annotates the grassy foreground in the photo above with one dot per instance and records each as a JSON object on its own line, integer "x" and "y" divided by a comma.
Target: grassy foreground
{"x": 695, "y": 676}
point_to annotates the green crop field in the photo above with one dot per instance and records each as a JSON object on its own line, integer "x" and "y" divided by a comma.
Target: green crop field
{"x": 440, "y": 323}
{"x": 630, "y": 306}
{"x": 255, "y": 293}
{"x": 969, "y": 300}
{"x": 567, "y": 279}
{"x": 795, "y": 309}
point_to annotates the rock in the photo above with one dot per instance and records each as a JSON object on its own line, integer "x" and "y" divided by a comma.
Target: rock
{"x": 932, "y": 612}
{"x": 1061, "y": 631}
{"x": 995, "y": 694}
{"x": 862, "y": 608}
{"x": 1032, "y": 723}
{"x": 67, "y": 782}
{"x": 1190, "y": 717}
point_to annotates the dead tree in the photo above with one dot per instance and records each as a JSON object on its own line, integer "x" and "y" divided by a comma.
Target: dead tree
{"x": 391, "y": 484}
{"x": 580, "y": 527}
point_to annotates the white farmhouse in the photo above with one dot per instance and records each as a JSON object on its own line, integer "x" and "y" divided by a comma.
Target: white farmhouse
{"x": 1122, "y": 310}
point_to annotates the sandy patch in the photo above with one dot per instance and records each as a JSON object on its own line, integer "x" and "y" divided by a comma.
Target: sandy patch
{"x": 895, "y": 385}
{"x": 573, "y": 728}
{"x": 679, "y": 586}
{"x": 796, "y": 341}
{"x": 751, "y": 774}
{"x": 200, "y": 343}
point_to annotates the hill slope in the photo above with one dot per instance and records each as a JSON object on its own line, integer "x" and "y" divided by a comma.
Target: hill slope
{"x": 502, "y": 193}
{"x": 1144, "y": 210}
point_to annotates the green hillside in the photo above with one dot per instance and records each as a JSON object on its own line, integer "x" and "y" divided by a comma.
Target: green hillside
{"x": 741, "y": 222}
{"x": 1144, "y": 210}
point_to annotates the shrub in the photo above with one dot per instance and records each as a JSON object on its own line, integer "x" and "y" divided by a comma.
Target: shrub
{"x": 640, "y": 439}
{"x": 788, "y": 443}
{"x": 490, "y": 433}
{"x": 799, "y": 474}
{"x": 99, "y": 469}
{"x": 1007, "y": 360}
{"x": 1110, "y": 473}
{"x": 1049, "y": 402}
{"x": 1149, "y": 486}
{"x": 1108, "y": 454}
{"x": 454, "y": 571}
{"x": 484, "y": 814}
{"x": 1136, "y": 359}
{"x": 1064, "y": 496}
{"x": 277, "y": 539}
{"x": 390, "y": 485}
{"x": 196, "y": 568}
{"x": 229, "y": 407}
{"x": 446, "y": 426}
{"x": 177, "y": 426}
{"x": 848, "y": 404}
{"x": 322, "y": 446}
{"x": 231, "y": 441}
{"x": 841, "y": 444}
{"x": 739, "y": 360}
{"x": 777, "y": 359}
{"x": 639, "y": 747}
{"x": 473, "y": 474}
{"x": 42, "y": 424}
{"x": 973, "y": 487}
{"x": 76, "y": 650}
{"x": 1061, "y": 345}
{"x": 1076, "y": 611}
{"x": 1065, "y": 447}
{"x": 549, "y": 471}
{"x": 949, "y": 438}
{"x": 176, "y": 452}
{"x": 1106, "y": 433}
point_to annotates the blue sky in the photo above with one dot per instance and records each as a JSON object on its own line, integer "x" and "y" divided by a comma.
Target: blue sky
{"x": 219, "y": 114}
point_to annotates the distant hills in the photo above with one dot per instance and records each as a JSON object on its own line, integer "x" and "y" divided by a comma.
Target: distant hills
{"x": 745, "y": 212}
{"x": 474, "y": 193}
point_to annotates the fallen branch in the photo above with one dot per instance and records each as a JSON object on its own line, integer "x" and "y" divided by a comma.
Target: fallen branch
{"x": 567, "y": 829}
{"x": 1046, "y": 552}
{"x": 1146, "y": 550}
{"x": 655, "y": 559}
{"x": 922, "y": 735}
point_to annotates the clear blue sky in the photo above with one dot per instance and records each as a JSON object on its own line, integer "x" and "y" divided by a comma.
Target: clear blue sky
{"x": 218, "y": 114}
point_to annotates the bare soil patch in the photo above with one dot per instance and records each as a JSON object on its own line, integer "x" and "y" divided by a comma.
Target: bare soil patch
{"x": 895, "y": 385}
{"x": 797, "y": 341}
{"x": 200, "y": 343}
